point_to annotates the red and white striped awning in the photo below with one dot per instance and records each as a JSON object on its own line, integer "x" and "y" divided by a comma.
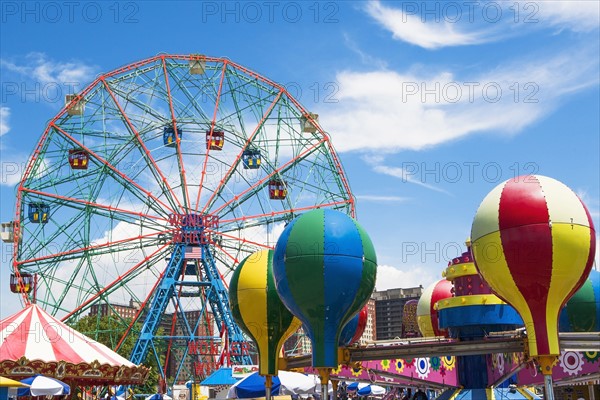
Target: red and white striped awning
{"x": 34, "y": 334}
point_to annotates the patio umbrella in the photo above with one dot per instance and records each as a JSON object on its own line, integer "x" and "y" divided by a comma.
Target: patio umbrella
{"x": 284, "y": 383}
{"x": 6, "y": 384}
{"x": 252, "y": 386}
{"x": 374, "y": 390}
{"x": 40, "y": 385}
{"x": 354, "y": 386}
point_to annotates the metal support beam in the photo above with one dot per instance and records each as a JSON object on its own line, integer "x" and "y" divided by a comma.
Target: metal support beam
{"x": 218, "y": 296}
{"x": 589, "y": 341}
{"x": 159, "y": 304}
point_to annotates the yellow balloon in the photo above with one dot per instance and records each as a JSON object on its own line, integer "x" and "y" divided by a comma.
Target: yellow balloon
{"x": 258, "y": 311}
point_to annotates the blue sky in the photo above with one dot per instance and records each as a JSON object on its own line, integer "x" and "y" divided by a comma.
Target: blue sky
{"x": 429, "y": 104}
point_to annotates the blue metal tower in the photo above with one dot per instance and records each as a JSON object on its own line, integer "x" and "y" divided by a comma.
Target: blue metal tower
{"x": 190, "y": 249}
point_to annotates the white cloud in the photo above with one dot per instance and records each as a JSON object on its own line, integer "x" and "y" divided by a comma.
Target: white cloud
{"x": 40, "y": 68}
{"x": 365, "y": 58}
{"x": 389, "y": 277}
{"x": 13, "y": 166}
{"x": 389, "y": 111}
{"x": 4, "y": 116}
{"x": 436, "y": 25}
{"x": 405, "y": 176}
{"x": 11, "y": 173}
{"x": 579, "y": 16}
{"x": 590, "y": 202}
{"x": 411, "y": 28}
{"x": 381, "y": 199}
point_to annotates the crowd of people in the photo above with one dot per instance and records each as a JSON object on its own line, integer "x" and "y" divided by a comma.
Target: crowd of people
{"x": 409, "y": 395}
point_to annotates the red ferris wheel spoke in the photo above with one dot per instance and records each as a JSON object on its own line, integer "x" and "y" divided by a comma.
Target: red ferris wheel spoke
{"x": 332, "y": 152}
{"x": 115, "y": 283}
{"x": 212, "y": 127}
{"x": 147, "y": 153}
{"x": 97, "y": 205}
{"x": 232, "y": 167}
{"x": 100, "y": 246}
{"x": 262, "y": 182}
{"x": 184, "y": 188}
{"x": 279, "y": 213}
{"x": 227, "y": 235}
{"x": 342, "y": 176}
{"x": 143, "y": 307}
{"x": 112, "y": 168}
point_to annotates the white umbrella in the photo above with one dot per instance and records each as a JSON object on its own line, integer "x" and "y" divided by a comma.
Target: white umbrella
{"x": 375, "y": 390}
{"x": 41, "y": 385}
{"x": 289, "y": 383}
{"x": 297, "y": 383}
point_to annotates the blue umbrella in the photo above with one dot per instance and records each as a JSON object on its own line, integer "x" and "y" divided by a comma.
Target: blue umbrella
{"x": 371, "y": 389}
{"x": 253, "y": 386}
{"x": 40, "y": 385}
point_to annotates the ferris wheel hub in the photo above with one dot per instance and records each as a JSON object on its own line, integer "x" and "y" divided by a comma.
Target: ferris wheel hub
{"x": 192, "y": 228}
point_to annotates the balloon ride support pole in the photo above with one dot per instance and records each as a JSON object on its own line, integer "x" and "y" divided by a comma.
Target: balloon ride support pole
{"x": 324, "y": 374}
{"x": 549, "y": 392}
{"x": 334, "y": 387}
{"x": 268, "y": 385}
{"x": 546, "y": 363}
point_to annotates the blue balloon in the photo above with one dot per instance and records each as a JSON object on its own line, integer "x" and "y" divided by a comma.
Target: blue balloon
{"x": 324, "y": 268}
{"x": 349, "y": 331}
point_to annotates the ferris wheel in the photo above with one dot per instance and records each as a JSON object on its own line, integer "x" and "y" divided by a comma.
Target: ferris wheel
{"x": 150, "y": 186}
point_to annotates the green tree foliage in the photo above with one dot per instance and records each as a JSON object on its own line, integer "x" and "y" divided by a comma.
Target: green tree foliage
{"x": 108, "y": 330}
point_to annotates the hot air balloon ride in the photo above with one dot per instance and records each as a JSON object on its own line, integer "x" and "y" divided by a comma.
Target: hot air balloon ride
{"x": 582, "y": 311}
{"x": 259, "y": 312}
{"x": 534, "y": 244}
{"x": 427, "y": 315}
{"x": 354, "y": 329}
{"x": 325, "y": 268}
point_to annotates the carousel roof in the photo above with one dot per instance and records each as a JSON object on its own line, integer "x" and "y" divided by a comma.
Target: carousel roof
{"x": 32, "y": 341}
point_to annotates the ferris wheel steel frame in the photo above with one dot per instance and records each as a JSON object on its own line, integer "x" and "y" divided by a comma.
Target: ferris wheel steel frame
{"x": 169, "y": 197}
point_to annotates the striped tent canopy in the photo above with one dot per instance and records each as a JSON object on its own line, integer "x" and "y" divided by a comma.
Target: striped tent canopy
{"x": 34, "y": 342}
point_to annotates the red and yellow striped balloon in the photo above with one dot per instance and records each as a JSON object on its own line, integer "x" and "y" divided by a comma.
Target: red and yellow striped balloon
{"x": 534, "y": 243}
{"x": 427, "y": 315}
